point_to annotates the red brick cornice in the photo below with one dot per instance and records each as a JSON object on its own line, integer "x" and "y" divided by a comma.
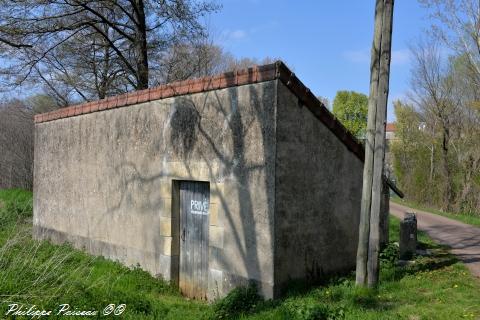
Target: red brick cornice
{"x": 277, "y": 70}
{"x": 225, "y": 80}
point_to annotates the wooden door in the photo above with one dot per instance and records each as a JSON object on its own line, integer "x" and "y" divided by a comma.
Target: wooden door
{"x": 194, "y": 214}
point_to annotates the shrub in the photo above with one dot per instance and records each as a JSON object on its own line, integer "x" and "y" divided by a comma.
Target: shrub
{"x": 241, "y": 300}
{"x": 389, "y": 254}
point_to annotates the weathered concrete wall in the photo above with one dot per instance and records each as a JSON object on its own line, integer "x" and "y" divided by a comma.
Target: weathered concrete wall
{"x": 103, "y": 181}
{"x": 318, "y": 194}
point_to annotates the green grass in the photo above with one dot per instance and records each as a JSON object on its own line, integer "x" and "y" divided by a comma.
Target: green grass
{"x": 47, "y": 275}
{"x": 40, "y": 273}
{"x": 465, "y": 218}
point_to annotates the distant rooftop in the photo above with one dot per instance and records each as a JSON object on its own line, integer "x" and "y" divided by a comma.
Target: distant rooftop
{"x": 391, "y": 127}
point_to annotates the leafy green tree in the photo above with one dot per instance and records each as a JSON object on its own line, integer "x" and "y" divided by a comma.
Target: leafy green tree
{"x": 411, "y": 152}
{"x": 351, "y": 108}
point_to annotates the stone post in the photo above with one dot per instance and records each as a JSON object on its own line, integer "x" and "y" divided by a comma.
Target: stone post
{"x": 408, "y": 236}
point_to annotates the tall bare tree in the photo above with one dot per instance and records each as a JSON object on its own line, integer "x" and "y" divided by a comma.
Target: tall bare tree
{"x": 192, "y": 60}
{"x": 456, "y": 23}
{"x": 441, "y": 167}
{"x": 433, "y": 85}
{"x": 94, "y": 46}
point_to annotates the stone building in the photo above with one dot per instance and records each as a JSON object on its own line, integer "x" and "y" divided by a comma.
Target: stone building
{"x": 390, "y": 130}
{"x": 210, "y": 183}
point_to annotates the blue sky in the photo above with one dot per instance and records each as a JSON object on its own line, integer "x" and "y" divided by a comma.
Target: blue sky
{"x": 326, "y": 43}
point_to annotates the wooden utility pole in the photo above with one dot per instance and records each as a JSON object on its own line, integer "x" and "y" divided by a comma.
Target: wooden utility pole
{"x": 364, "y": 228}
{"x": 369, "y": 229}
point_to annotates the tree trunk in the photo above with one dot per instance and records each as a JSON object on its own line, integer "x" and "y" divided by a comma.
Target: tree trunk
{"x": 448, "y": 195}
{"x": 432, "y": 154}
{"x": 141, "y": 46}
{"x": 104, "y": 83}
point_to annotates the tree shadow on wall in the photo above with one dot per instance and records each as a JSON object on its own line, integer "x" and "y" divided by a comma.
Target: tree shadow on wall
{"x": 231, "y": 137}
{"x": 184, "y": 125}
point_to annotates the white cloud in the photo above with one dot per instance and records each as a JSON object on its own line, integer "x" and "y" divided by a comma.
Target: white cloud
{"x": 399, "y": 57}
{"x": 397, "y": 96}
{"x": 357, "y": 56}
{"x": 238, "y": 34}
{"x": 234, "y": 35}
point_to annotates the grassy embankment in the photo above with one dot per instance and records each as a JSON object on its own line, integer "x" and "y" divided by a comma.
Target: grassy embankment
{"x": 471, "y": 219}
{"x": 46, "y": 275}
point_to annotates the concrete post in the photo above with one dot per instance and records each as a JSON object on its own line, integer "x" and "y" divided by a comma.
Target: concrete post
{"x": 408, "y": 236}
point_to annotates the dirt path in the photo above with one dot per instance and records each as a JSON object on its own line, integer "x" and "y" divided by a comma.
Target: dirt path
{"x": 464, "y": 239}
